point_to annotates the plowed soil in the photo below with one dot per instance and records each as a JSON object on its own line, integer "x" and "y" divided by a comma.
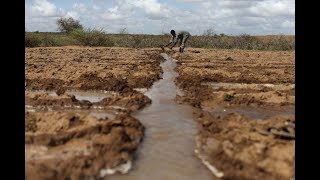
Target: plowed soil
{"x": 237, "y": 143}
{"x": 63, "y": 139}
{"x": 111, "y": 69}
{"x": 243, "y": 102}
{"x": 63, "y": 145}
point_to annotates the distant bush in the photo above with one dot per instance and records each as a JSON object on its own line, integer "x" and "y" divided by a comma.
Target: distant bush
{"x": 123, "y": 31}
{"x": 91, "y": 37}
{"x": 209, "y": 32}
{"x": 243, "y": 41}
{"x": 37, "y": 40}
{"x": 68, "y": 24}
{"x": 200, "y": 41}
{"x": 281, "y": 43}
{"x": 246, "y": 41}
{"x": 48, "y": 40}
{"x": 139, "y": 41}
{"x": 32, "y": 40}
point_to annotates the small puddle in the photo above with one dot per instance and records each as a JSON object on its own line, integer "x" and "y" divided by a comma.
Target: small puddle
{"x": 251, "y": 111}
{"x": 167, "y": 151}
{"x": 218, "y": 85}
{"x": 141, "y": 90}
{"x": 92, "y": 96}
{"x": 99, "y": 114}
{"x": 258, "y": 113}
{"x": 50, "y": 93}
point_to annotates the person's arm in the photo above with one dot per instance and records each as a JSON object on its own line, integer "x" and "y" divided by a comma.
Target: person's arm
{"x": 174, "y": 42}
{"x": 171, "y": 41}
{"x": 167, "y": 44}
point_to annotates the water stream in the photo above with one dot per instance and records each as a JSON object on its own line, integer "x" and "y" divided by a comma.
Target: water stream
{"x": 167, "y": 151}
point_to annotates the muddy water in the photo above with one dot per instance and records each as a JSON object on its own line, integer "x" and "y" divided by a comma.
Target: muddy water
{"x": 250, "y": 111}
{"x": 217, "y": 85}
{"x": 167, "y": 151}
{"x": 258, "y": 113}
{"x": 92, "y": 96}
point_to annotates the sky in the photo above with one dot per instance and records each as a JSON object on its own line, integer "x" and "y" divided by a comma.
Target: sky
{"x": 232, "y": 17}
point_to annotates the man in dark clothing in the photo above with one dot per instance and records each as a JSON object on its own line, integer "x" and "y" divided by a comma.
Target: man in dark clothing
{"x": 182, "y": 36}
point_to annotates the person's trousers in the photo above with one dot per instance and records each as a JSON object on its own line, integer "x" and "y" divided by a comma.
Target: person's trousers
{"x": 183, "y": 41}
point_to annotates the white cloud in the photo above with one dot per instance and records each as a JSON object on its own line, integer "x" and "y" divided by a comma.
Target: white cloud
{"x": 153, "y": 9}
{"x": 157, "y": 16}
{"x": 256, "y": 17}
{"x": 42, "y": 8}
{"x": 274, "y": 8}
{"x": 191, "y": 1}
{"x": 288, "y": 24}
{"x": 95, "y": 7}
{"x": 73, "y": 14}
{"x": 235, "y": 4}
{"x": 80, "y": 7}
{"x": 41, "y": 15}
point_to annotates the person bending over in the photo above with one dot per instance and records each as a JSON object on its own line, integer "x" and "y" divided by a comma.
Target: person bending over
{"x": 180, "y": 36}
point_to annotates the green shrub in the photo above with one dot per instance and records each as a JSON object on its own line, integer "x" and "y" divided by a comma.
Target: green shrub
{"x": 246, "y": 41}
{"x": 32, "y": 40}
{"x": 281, "y": 44}
{"x": 48, "y": 40}
{"x": 123, "y": 31}
{"x": 91, "y": 37}
{"x": 68, "y": 24}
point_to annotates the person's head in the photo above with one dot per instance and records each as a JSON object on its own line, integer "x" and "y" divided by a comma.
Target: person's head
{"x": 173, "y": 33}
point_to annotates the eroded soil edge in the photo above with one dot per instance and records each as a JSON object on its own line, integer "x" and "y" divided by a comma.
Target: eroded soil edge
{"x": 238, "y": 145}
{"x": 64, "y": 137}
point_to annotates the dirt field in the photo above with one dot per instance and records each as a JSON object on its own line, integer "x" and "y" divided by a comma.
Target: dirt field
{"x": 91, "y": 68}
{"x": 244, "y": 104}
{"x": 69, "y": 134}
{"x": 79, "y": 105}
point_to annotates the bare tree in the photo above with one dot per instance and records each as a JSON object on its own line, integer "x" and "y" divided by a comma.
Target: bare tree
{"x": 123, "y": 31}
{"x": 68, "y": 24}
{"x": 209, "y": 32}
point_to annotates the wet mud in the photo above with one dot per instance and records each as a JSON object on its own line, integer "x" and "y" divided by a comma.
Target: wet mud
{"x": 78, "y": 101}
{"x": 76, "y": 146}
{"x": 205, "y": 114}
{"x": 244, "y": 103}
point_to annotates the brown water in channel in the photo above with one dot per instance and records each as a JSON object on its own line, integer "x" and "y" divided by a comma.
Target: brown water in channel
{"x": 257, "y": 113}
{"x": 167, "y": 151}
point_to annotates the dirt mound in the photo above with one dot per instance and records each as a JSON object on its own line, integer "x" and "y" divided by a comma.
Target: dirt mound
{"x": 72, "y": 146}
{"x": 132, "y": 100}
{"x": 45, "y": 99}
{"x": 91, "y": 81}
{"x": 196, "y": 89}
{"x": 235, "y": 146}
{"x": 229, "y": 59}
{"x": 45, "y": 83}
{"x": 238, "y": 66}
{"x": 91, "y": 68}
{"x": 239, "y": 146}
{"x": 129, "y": 100}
